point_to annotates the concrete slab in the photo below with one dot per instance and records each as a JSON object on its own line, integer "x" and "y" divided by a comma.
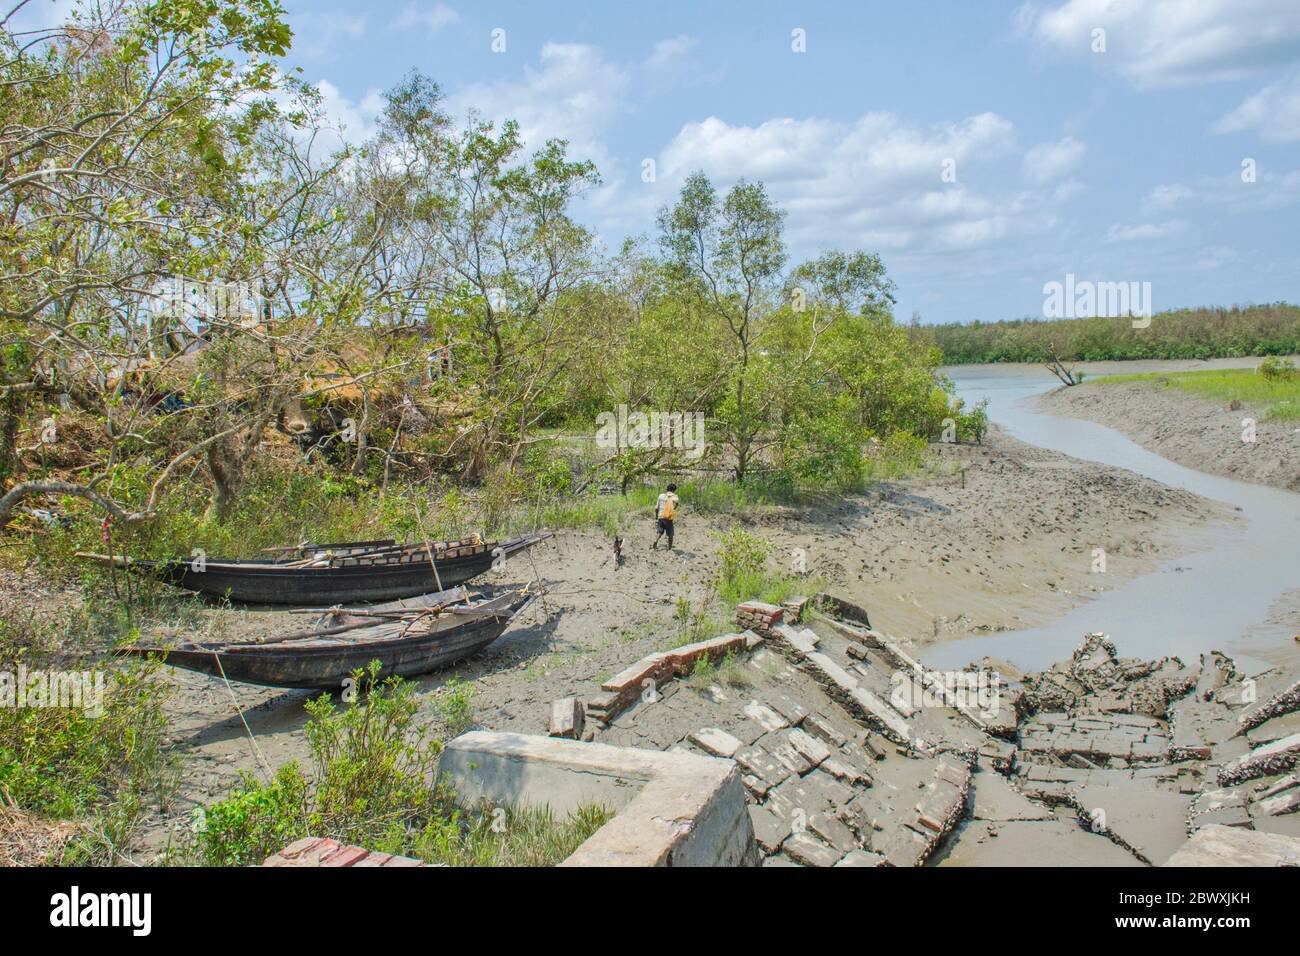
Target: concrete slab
{"x": 674, "y": 809}
{"x": 995, "y": 800}
{"x": 1232, "y": 846}
{"x": 717, "y": 742}
{"x": 810, "y": 851}
{"x": 770, "y": 829}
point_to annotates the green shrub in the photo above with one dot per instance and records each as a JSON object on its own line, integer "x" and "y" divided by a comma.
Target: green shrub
{"x": 102, "y": 770}
{"x": 742, "y": 574}
{"x": 1277, "y": 370}
{"x": 372, "y": 779}
{"x": 372, "y": 784}
{"x": 255, "y": 821}
{"x": 455, "y": 705}
{"x": 732, "y": 673}
{"x": 703, "y": 674}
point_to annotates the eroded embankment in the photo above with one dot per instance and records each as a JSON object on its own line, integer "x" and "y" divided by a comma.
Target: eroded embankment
{"x": 1232, "y": 440}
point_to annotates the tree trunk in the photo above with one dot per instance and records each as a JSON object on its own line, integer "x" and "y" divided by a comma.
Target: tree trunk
{"x": 227, "y": 476}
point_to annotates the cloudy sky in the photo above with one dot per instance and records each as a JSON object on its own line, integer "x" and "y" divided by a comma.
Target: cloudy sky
{"x": 982, "y": 149}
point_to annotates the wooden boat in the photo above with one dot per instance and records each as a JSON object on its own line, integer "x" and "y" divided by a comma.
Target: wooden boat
{"x": 407, "y": 637}
{"x": 326, "y": 574}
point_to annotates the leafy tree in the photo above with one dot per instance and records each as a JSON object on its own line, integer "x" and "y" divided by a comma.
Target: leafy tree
{"x": 728, "y": 258}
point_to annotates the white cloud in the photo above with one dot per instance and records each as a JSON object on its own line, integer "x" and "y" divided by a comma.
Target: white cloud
{"x": 432, "y": 18}
{"x": 573, "y": 94}
{"x": 345, "y": 121}
{"x": 318, "y": 36}
{"x": 1272, "y": 189}
{"x": 1170, "y": 42}
{"x": 668, "y": 55}
{"x": 1273, "y": 113}
{"x": 877, "y": 150}
{"x": 1048, "y": 161}
{"x": 873, "y": 182}
{"x": 1144, "y": 231}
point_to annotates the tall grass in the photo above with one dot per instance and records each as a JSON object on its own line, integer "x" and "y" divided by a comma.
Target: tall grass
{"x": 1281, "y": 395}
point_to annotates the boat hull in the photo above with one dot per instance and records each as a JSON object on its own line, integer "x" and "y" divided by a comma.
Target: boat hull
{"x": 321, "y": 586}
{"x": 261, "y": 582}
{"x": 327, "y": 665}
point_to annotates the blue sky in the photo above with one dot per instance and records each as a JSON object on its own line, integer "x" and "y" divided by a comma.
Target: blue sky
{"x": 1119, "y": 165}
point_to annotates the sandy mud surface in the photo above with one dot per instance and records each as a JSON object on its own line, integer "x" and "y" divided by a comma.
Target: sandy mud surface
{"x": 1188, "y": 429}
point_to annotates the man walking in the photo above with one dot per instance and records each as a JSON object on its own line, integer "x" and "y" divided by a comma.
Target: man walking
{"x": 665, "y": 512}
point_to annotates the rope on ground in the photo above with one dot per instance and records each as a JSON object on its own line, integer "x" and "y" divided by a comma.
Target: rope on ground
{"x": 266, "y": 767}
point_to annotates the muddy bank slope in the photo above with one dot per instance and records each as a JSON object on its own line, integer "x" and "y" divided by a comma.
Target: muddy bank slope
{"x": 1187, "y": 429}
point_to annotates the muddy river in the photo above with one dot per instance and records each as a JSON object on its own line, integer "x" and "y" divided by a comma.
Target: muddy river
{"x": 1219, "y": 597}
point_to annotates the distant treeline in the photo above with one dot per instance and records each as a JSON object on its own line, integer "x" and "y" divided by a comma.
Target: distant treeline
{"x": 1178, "y": 334}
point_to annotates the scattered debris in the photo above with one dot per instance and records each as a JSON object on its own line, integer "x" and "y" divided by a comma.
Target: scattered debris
{"x": 851, "y": 753}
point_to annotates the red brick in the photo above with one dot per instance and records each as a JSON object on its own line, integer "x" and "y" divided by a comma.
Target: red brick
{"x": 344, "y": 856}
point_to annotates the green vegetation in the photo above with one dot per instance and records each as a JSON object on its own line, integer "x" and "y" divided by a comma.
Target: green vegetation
{"x": 467, "y": 339}
{"x": 745, "y": 574}
{"x": 455, "y": 705}
{"x": 372, "y": 784}
{"x": 102, "y": 765}
{"x": 508, "y": 837}
{"x": 704, "y": 674}
{"x": 1177, "y": 334}
{"x": 1275, "y": 385}
{"x": 732, "y": 673}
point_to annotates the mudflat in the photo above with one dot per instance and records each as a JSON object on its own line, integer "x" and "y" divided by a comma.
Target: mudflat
{"x": 1235, "y": 441}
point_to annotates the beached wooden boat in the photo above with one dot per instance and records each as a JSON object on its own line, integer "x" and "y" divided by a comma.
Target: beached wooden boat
{"x": 326, "y": 574}
{"x": 408, "y": 637}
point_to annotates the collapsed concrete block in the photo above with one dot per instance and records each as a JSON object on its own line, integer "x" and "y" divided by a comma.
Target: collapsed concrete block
{"x": 863, "y": 858}
{"x": 1271, "y": 758}
{"x": 810, "y": 851}
{"x": 1283, "y": 702}
{"x": 770, "y": 829}
{"x": 673, "y": 809}
{"x": 810, "y": 747}
{"x": 765, "y": 716}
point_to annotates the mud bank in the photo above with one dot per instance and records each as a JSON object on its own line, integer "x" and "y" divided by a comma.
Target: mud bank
{"x": 1008, "y": 545}
{"x": 1188, "y": 429}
